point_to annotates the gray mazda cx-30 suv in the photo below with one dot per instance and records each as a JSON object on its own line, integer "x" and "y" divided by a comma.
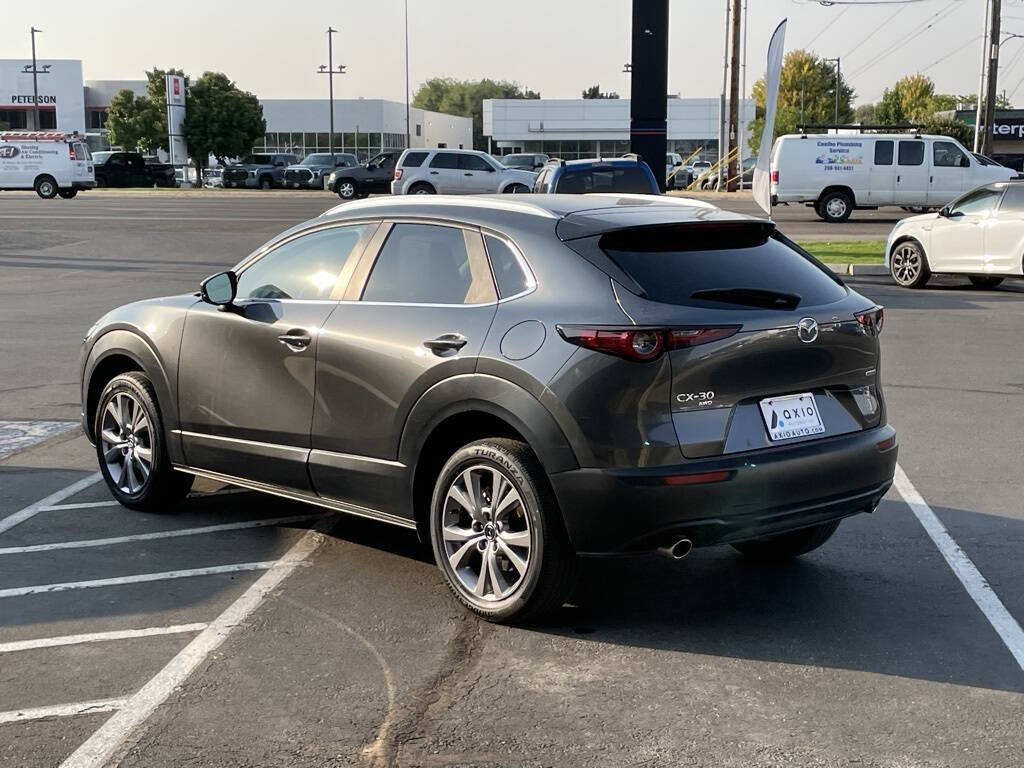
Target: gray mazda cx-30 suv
{"x": 521, "y": 381}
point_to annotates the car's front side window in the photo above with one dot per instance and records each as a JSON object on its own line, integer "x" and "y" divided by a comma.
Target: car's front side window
{"x": 304, "y": 268}
{"x": 946, "y": 154}
{"x": 428, "y": 264}
{"x": 979, "y": 201}
{"x": 473, "y": 163}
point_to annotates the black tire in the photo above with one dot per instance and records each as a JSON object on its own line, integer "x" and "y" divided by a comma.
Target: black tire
{"x": 908, "y": 265}
{"x": 516, "y": 189}
{"x": 422, "y": 188}
{"x": 546, "y": 580}
{"x": 46, "y": 187}
{"x": 834, "y": 207}
{"x": 266, "y": 182}
{"x": 160, "y": 488}
{"x": 982, "y": 281}
{"x": 347, "y": 189}
{"x": 787, "y": 545}
{"x": 67, "y": 194}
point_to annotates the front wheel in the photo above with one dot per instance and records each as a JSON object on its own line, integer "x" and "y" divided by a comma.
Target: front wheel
{"x": 46, "y": 187}
{"x": 131, "y": 449}
{"x": 783, "y": 546}
{"x": 346, "y": 189}
{"x": 516, "y": 189}
{"x": 67, "y": 194}
{"x": 497, "y": 533}
{"x": 834, "y": 207}
{"x": 985, "y": 282}
{"x": 908, "y": 265}
{"x": 266, "y": 182}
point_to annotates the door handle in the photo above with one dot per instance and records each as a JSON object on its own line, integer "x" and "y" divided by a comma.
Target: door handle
{"x": 467, "y": 174}
{"x": 433, "y": 173}
{"x": 446, "y": 342}
{"x": 931, "y": 179}
{"x": 898, "y": 179}
{"x": 296, "y": 340}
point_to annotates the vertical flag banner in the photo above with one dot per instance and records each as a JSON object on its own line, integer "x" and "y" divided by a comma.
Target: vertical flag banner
{"x": 175, "y": 85}
{"x": 762, "y": 175}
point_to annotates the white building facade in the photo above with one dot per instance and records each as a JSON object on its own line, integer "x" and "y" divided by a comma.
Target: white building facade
{"x": 577, "y": 128}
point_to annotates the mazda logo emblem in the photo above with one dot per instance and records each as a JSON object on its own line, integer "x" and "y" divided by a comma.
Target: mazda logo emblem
{"x": 807, "y": 330}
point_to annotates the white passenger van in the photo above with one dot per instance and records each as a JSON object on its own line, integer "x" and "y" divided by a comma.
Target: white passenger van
{"x": 837, "y": 173}
{"x": 50, "y": 162}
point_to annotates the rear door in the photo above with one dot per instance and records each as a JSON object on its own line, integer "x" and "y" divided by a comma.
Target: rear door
{"x": 948, "y": 176}
{"x": 783, "y": 336}
{"x": 911, "y": 173}
{"x": 444, "y": 174}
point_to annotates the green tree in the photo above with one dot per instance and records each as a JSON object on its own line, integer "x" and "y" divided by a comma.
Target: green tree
{"x": 864, "y": 113}
{"x": 135, "y": 122}
{"x": 944, "y": 126}
{"x": 466, "y": 98}
{"x": 807, "y": 94}
{"x": 946, "y": 102}
{"x": 594, "y": 92}
{"x": 221, "y": 119}
{"x": 910, "y": 100}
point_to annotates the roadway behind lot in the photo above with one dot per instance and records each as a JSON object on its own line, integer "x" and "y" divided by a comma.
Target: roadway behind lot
{"x": 869, "y": 652}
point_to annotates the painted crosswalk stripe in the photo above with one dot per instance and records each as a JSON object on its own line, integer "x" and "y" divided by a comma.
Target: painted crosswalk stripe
{"x": 99, "y": 637}
{"x": 156, "y": 535}
{"x": 61, "y": 710}
{"x": 139, "y": 578}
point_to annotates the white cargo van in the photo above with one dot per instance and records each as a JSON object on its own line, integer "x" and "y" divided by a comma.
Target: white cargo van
{"x": 837, "y": 173}
{"x": 50, "y": 162}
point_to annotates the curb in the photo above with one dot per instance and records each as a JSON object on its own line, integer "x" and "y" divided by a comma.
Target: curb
{"x": 858, "y": 269}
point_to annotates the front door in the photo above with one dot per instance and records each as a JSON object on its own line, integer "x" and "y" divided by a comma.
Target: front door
{"x": 478, "y": 176}
{"x": 948, "y": 174}
{"x": 958, "y": 238}
{"x": 911, "y": 173}
{"x": 420, "y": 316}
{"x": 247, "y": 374}
{"x": 381, "y": 174}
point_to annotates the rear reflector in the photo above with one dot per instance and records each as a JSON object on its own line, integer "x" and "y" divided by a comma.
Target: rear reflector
{"x": 885, "y": 445}
{"x": 697, "y": 478}
{"x": 775, "y": 177}
{"x": 642, "y": 344}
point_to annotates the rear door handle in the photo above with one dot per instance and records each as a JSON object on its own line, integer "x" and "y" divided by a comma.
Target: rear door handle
{"x": 446, "y": 342}
{"x": 433, "y": 173}
{"x": 296, "y": 340}
{"x": 467, "y": 174}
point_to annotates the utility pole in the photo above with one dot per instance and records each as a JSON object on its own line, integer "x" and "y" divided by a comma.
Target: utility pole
{"x": 734, "y": 94}
{"x": 743, "y": 95}
{"x": 992, "y": 76}
{"x": 330, "y": 71}
{"x": 721, "y": 98}
{"x": 35, "y": 80}
{"x": 408, "y": 135}
{"x": 836, "y": 60}
{"x": 980, "y": 99}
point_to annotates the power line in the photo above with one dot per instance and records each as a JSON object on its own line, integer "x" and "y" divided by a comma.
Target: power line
{"x": 826, "y": 27}
{"x": 955, "y": 50}
{"x": 901, "y": 43}
{"x": 873, "y": 32}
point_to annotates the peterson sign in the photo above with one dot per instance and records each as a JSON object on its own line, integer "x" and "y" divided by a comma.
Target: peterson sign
{"x": 17, "y": 98}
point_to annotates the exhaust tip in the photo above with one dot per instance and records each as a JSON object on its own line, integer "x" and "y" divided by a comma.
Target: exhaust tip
{"x": 678, "y": 550}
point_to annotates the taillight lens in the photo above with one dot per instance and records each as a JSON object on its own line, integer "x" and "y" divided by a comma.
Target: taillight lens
{"x": 71, "y": 152}
{"x": 642, "y": 344}
{"x": 872, "y": 320}
{"x": 398, "y": 173}
{"x": 775, "y": 177}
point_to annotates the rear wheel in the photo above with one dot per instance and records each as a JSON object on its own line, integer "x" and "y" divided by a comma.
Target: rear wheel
{"x": 421, "y": 188}
{"x": 786, "y": 545}
{"x": 985, "y": 282}
{"x": 497, "y": 534}
{"x": 46, "y": 187}
{"x": 266, "y": 182}
{"x": 67, "y": 194}
{"x": 834, "y": 207}
{"x": 908, "y": 265}
{"x": 131, "y": 449}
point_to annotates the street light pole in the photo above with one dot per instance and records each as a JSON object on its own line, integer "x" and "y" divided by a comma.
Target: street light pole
{"x": 408, "y": 134}
{"x": 330, "y": 71}
{"x": 836, "y": 60}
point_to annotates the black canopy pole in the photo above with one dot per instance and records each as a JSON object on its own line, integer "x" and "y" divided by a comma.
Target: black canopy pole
{"x": 649, "y": 86}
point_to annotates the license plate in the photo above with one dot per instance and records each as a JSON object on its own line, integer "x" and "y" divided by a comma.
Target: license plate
{"x": 791, "y": 416}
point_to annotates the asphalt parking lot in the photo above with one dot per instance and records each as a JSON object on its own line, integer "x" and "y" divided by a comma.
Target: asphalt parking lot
{"x": 247, "y": 630}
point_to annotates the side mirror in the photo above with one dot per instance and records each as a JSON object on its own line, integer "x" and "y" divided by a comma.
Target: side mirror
{"x": 219, "y": 289}
{"x": 677, "y": 163}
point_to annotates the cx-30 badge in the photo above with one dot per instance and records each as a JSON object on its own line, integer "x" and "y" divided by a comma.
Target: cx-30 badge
{"x": 807, "y": 330}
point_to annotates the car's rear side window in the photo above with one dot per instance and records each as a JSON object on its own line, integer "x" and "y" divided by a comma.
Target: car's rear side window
{"x": 508, "y": 272}
{"x": 413, "y": 159}
{"x": 883, "y": 152}
{"x": 712, "y": 266}
{"x": 630, "y": 179}
{"x": 911, "y": 153}
{"x": 445, "y": 160}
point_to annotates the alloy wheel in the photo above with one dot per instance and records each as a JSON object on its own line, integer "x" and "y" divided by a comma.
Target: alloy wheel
{"x": 346, "y": 190}
{"x": 906, "y": 264}
{"x": 486, "y": 534}
{"x": 126, "y": 436}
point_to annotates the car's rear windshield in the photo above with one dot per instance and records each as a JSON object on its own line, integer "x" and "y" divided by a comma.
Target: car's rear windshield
{"x": 713, "y": 266}
{"x": 413, "y": 159}
{"x": 628, "y": 179}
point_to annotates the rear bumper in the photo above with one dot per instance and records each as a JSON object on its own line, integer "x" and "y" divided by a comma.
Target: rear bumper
{"x": 616, "y": 511}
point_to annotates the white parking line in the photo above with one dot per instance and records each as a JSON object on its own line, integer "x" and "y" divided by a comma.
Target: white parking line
{"x": 54, "y": 498}
{"x": 977, "y": 587}
{"x": 61, "y": 710}
{"x": 99, "y": 637}
{"x": 138, "y": 578}
{"x": 79, "y": 505}
{"x": 83, "y": 543}
{"x": 122, "y": 730}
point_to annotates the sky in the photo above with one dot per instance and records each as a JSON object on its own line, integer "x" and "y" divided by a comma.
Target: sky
{"x": 557, "y": 47}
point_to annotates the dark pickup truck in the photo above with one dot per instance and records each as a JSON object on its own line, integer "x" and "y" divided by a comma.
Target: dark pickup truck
{"x": 131, "y": 169}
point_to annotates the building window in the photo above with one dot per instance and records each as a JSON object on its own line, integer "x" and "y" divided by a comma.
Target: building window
{"x": 47, "y": 120}
{"x": 15, "y": 119}
{"x": 97, "y": 119}
{"x": 419, "y": 129}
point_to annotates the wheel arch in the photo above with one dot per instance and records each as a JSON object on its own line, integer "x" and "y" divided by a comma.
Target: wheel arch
{"x": 848, "y": 191}
{"x": 904, "y": 239}
{"x": 421, "y": 183}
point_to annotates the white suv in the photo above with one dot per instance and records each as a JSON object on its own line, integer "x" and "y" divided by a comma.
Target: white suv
{"x": 456, "y": 172}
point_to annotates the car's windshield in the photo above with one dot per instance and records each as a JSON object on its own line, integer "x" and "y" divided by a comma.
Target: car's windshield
{"x": 511, "y": 160}
{"x": 982, "y": 160}
{"x": 317, "y": 160}
{"x": 255, "y": 160}
{"x": 100, "y": 157}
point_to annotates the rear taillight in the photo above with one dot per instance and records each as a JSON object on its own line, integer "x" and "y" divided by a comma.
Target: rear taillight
{"x": 872, "y": 320}
{"x": 775, "y": 177}
{"x": 71, "y": 152}
{"x": 642, "y": 344}
{"x": 398, "y": 173}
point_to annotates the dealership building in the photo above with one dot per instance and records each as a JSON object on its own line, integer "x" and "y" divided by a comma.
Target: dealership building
{"x": 1007, "y": 135}
{"x": 362, "y": 126}
{"x": 576, "y": 128}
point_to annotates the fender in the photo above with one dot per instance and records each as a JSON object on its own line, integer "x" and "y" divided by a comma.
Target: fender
{"x": 489, "y": 394}
{"x": 128, "y": 343}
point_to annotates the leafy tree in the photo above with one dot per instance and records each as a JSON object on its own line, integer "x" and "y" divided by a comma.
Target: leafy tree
{"x": 594, "y": 92}
{"x": 944, "y": 126}
{"x": 946, "y": 102}
{"x": 135, "y": 122}
{"x": 807, "y": 94}
{"x": 466, "y": 98}
{"x": 221, "y": 119}
{"x": 911, "y": 99}
{"x": 864, "y": 113}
